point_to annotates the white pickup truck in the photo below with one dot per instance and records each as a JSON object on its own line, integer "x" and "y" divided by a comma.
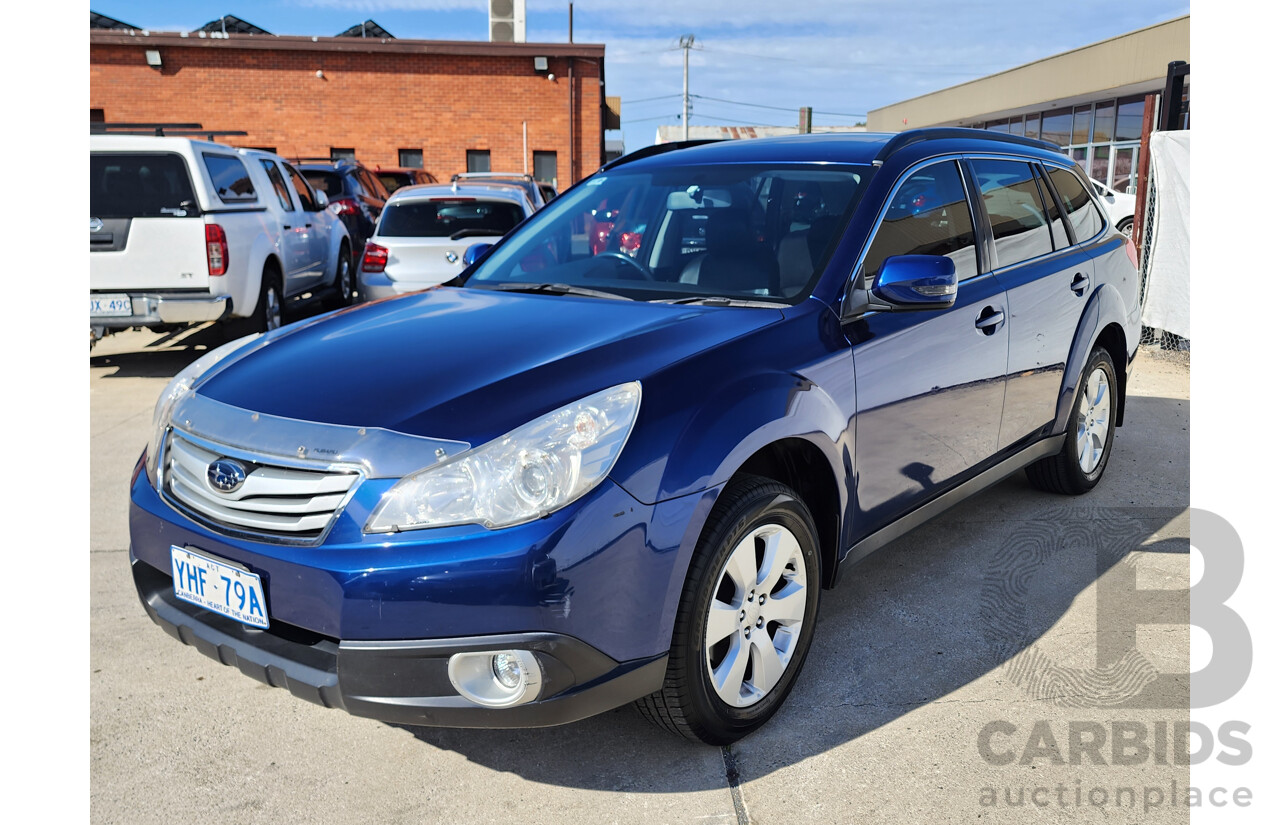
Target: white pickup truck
{"x": 186, "y": 231}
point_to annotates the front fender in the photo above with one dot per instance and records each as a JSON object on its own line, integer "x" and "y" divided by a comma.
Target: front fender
{"x": 1105, "y": 307}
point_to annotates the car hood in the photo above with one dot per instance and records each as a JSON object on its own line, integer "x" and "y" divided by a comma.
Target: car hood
{"x": 466, "y": 364}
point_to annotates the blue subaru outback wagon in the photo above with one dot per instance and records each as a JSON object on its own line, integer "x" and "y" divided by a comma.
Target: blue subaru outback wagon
{"x": 617, "y": 460}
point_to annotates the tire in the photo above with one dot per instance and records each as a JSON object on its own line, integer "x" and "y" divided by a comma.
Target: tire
{"x": 1078, "y": 467}
{"x": 1126, "y": 227}
{"x": 754, "y": 519}
{"x": 268, "y": 313}
{"x": 344, "y": 284}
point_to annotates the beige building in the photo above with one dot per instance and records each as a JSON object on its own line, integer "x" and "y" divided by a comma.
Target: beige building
{"x": 1090, "y": 100}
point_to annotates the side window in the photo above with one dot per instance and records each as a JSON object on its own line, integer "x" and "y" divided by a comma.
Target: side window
{"x": 1081, "y": 212}
{"x": 300, "y": 186}
{"x": 1012, "y": 200}
{"x": 1056, "y": 224}
{"x": 278, "y": 184}
{"x": 929, "y": 215}
{"x": 230, "y": 178}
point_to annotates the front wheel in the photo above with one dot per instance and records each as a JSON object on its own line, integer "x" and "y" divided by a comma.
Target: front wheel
{"x": 746, "y": 616}
{"x": 1126, "y": 227}
{"x": 1078, "y": 467}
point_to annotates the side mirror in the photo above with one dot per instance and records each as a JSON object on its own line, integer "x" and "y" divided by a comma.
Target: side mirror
{"x": 322, "y": 200}
{"x": 908, "y": 282}
{"x": 474, "y": 253}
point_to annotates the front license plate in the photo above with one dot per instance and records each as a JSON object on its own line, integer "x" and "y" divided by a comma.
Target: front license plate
{"x": 110, "y": 306}
{"x": 218, "y": 586}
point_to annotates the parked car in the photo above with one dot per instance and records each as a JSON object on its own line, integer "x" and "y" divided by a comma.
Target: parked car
{"x": 424, "y": 233}
{"x": 548, "y": 191}
{"x": 531, "y": 187}
{"x": 186, "y": 231}
{"x": 394, "y": 177}
{"x": 355, "y": 195}
{"x": 1119, "y": 206}
{"x": 568, "y": 480}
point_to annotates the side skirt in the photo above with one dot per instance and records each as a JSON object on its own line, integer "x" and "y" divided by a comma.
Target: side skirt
{"x": 1041, "y": 449}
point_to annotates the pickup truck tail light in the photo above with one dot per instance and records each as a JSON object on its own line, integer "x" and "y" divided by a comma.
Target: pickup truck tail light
{"x": 215, "y": 241}
{"x": 344, "y": 206}
{"x": 375, "y": 258}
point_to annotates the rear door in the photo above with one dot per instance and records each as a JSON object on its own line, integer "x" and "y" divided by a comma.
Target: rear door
{"x": 1048, "y": 281}
{"x": 146, "y": 230}
{"x": 930, "y": 383}
{"x": 295, "y": 245}
{"x": 307, "y": 228}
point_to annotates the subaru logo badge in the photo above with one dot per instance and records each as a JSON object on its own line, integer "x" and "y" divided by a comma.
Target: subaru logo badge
{"x": 95, "y": 224}
{"x": 451, "y": 256}
{"x": 226, "y": 475}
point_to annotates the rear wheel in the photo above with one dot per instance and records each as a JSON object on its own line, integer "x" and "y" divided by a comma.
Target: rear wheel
{"x": 344, "y": 290}
{"x": 1078, "y": 467}
{"x": 746, "y": 616}
{"x": 1126, "y": 227}
{"x": 268, "y": 314}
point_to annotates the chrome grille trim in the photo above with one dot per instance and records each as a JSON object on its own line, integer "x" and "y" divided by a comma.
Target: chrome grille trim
{"x": 289, "y": 502}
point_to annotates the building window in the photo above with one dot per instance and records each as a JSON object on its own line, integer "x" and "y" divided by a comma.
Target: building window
{"x": 1104, "y": 122}
{"x": 1055, "y": 127}
{"x": 411, "y": 158}
{"x": 544, "y": 167}
{"x": 478, "y": 160}
{"x": 1081, "y": 123}
{"x": 341, "y": 154}
{"x": 1033, "y": 126}
{"x": 97, "y": 116}
{"x": 1129, "y": 118}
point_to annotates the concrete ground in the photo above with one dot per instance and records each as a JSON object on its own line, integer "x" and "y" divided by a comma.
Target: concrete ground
{"x": 1002, "y": 632}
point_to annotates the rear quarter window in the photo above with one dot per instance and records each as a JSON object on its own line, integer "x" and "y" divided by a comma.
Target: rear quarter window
{"x": 150, "y": 185}
{"x": 1082, "y": 214}
{"x": 330, "y": 183}
{"x": 230, "y": 178}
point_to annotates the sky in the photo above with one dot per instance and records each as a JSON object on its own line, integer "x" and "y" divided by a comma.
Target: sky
{"x": 750, "y": 65}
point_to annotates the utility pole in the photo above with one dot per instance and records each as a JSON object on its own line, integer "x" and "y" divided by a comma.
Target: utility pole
{"x": 686, "y": 43}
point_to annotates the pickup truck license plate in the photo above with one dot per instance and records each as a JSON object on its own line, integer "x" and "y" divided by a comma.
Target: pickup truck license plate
{"x": 218, "y": 586}
{"x": 110, "y": 305}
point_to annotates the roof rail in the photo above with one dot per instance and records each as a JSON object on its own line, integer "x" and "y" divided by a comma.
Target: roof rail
{"x": 656, "y": 149}
{"x": 320, "y": 159}
{"x": 161, "y": 130}
{"x": 909, "y": 138}
{"x": 483, "y": 175}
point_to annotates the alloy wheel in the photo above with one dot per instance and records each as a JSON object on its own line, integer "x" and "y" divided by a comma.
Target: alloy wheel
{"x": 756, "y": 616}
{"x": 1094, "y": 421}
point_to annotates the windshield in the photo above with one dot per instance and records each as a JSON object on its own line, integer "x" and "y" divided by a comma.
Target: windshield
{"x": 733, "y": 231}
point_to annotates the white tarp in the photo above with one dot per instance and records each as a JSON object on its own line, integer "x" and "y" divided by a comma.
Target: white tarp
{"x": 1168, "y": 304}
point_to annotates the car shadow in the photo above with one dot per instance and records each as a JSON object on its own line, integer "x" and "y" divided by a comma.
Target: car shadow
{"x": 973, "y": 591}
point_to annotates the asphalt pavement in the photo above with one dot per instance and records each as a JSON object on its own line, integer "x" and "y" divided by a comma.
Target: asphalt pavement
{"x": 988, "y": 658}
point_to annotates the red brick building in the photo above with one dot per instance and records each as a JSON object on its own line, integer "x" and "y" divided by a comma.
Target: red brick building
{"x": 390, "y": 101}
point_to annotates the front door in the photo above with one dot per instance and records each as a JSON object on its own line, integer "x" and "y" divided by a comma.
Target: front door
{"x": 930, "y": 384}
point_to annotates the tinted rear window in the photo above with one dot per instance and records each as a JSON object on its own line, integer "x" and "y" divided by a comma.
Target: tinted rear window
{"x": 139, "y": 186}
{"x": 1081, "y": 213}
{"x": 442, "y": 218}
{"x": 230, "y": 178}
{"x": 330, "y": 183}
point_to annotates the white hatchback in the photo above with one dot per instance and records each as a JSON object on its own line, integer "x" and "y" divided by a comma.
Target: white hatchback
{"x": 424, "y": 232}
{"x": 1120, "y": 207}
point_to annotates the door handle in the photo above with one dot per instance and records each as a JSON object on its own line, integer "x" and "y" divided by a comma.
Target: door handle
{"x": 308, "y": 226}
{"x": 1080, "y": 283}
{"x": 287, "y": 226}
{"x": 990, "y": 320}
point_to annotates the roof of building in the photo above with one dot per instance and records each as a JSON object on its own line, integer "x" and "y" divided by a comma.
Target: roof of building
{"x": 670, "y": 134}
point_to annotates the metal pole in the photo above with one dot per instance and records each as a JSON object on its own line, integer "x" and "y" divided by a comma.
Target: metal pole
{"x": 686, "y": 43}
{"x": 570, "y": 22}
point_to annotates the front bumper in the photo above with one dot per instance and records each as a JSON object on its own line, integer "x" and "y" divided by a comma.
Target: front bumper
{"x": 152, "y": 309}
{"x": 405, "y": 682}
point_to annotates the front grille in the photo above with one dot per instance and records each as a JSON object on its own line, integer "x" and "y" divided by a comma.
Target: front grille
{"x": 274, "y": 500}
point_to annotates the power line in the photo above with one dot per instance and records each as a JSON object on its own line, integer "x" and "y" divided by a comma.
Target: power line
{"x": 739, "y": 102}
{"x": 648, "y": 99}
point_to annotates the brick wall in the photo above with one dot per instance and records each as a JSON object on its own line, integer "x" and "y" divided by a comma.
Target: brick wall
{"x": 376, "y": 102}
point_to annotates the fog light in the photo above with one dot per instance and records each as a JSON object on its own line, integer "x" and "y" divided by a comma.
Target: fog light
{"x": 496, "y": 679}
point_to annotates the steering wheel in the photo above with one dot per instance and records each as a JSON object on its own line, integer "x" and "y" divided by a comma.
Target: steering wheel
{"x": 642, "y": 274}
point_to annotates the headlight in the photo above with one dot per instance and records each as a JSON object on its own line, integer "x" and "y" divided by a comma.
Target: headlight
{"x": 177, "y": 388}
{"x": 524, "y": 475}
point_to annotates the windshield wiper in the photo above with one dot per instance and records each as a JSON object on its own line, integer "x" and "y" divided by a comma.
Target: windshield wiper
{"x": 555, "y": 289}
{"x": 474, "y": 232}
{"x": 716, "y": 301}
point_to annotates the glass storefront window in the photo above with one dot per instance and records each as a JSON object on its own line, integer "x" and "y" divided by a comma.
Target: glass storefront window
{"x": 1125, "y": 175}
{"x": 1101, "y": 160}
{"x": 997, "y": 125}
{"x": 1033, "y": 126}
{"x": 1104, "y": 122}
{"x": 1129, "y": 119}
{"x": 1055, "y": 127}
{"x": 1015, "y": 126}
{"x": 1080, "y": 124}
